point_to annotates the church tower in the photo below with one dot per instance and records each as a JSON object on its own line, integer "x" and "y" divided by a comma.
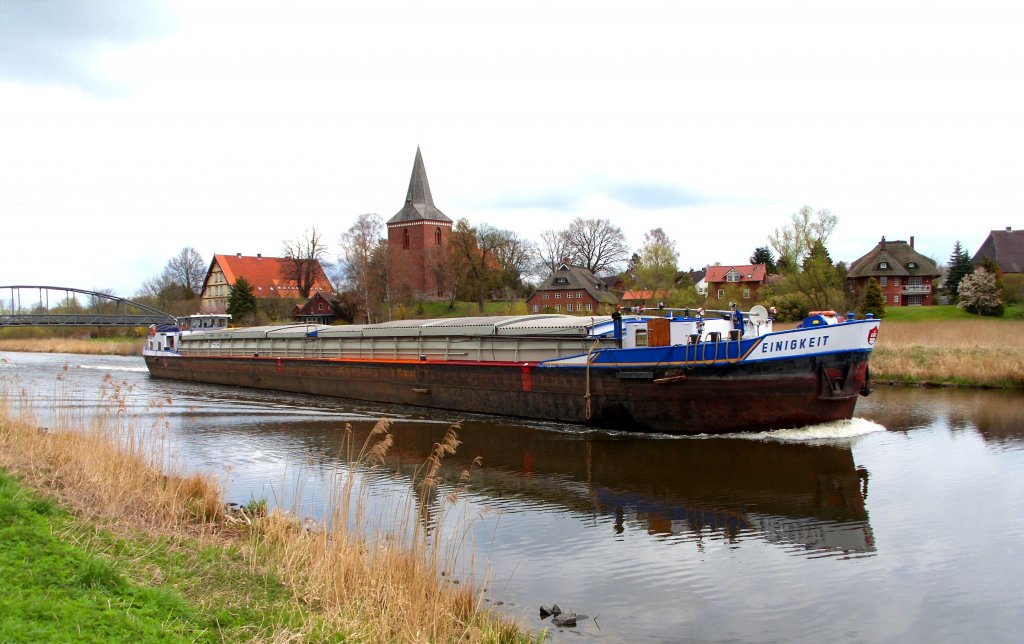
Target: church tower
{"x": 417, "y": 239}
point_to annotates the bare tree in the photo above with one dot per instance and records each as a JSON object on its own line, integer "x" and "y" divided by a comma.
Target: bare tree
{"x": 554, "y": 248}
{"x": 516, "y": 257}
{"x": 305, "y": 255}
{"x": 358, "y": 247}
{"x": 187, "y": 269}
{"x": 597, "y": 244}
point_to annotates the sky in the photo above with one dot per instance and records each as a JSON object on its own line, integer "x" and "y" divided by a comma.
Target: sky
{"x": 132, "y": 129}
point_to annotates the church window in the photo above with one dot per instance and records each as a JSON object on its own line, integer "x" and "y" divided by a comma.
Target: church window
{"x": 437, "y": 236}
{"x": 405, "y": 238}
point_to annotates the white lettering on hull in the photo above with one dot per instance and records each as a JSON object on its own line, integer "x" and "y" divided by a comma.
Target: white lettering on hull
{"x": 775, "y": 346}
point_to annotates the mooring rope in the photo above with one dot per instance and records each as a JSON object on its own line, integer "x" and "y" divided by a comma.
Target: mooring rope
{"x": 586, "y": 396}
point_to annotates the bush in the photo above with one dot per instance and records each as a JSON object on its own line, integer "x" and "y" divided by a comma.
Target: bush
{"x": 791, "y": 307}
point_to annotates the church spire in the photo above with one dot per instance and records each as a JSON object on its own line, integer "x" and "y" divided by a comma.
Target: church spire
{"x": 419, "y": 204}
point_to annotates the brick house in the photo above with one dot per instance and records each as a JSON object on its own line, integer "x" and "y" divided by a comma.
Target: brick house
{"x": 905, "y": 275}
{"x": 741, "y": 283}
{"x": 572, "y": 289}
{"x": 269, "y": 278}
{"x": 317, "y": 310}
{"x": 417, "y": 238}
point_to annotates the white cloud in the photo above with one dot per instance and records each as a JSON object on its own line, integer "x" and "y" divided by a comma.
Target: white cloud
{"x": 232, "y": 127}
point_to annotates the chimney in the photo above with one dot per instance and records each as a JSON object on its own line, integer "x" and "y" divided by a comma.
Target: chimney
{"x": 1009, "y": 230}
{"x": 882, "y": 243}
{"x": 259, "y": 255}
{"x": 238, "y": 254}
{"x": 911, "y": 241}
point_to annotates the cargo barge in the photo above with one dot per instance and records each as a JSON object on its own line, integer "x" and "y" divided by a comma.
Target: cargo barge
{"x": 679, "y": 371}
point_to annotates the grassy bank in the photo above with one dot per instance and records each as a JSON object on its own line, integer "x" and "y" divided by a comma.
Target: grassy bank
{"x": 104, "y": 540}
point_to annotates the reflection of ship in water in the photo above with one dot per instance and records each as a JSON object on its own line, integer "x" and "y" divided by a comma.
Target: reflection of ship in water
{"x": 805, "y": 496}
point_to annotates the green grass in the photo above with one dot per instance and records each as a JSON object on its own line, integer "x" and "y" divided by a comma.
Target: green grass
{"x": 943, "y": 313}
{"x": 63, "y": 580}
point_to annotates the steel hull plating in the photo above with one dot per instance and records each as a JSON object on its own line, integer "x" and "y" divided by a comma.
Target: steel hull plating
{"x": 792, "y": 392}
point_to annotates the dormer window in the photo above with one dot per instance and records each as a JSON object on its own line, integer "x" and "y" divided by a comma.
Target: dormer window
{"x": 911, "y": 264}
{"x": 732, "y": 277}
{"x": 883, "y": 265}
{"x": 561, "y": 280}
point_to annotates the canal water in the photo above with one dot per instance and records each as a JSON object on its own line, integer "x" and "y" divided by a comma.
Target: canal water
{"x": 905, "y": 524}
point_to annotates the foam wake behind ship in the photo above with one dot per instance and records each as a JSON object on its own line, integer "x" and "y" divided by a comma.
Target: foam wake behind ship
{"x": 681, "y": 371}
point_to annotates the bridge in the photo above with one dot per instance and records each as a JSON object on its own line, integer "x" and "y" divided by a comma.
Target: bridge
{"x": 64, "y": 306}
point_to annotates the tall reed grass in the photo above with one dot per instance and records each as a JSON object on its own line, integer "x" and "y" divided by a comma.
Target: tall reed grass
{"x": 118, "y": 347}
{"x": 393, "y": 582}
{"x": 981, "y": 352}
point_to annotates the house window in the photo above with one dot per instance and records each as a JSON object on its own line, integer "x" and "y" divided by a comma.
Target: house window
{"x": 883, "y": 281}
{"x": 545, "y": 296}
{"x": 590, "y": 307}
{"x": 558, "y": 296}
{"x": 568, "y": 308}
{"x": 746, "y": 294}
{"x": 883, "y": 265}
{"x": 558, "y": 308}
{"x": 579, "y": 295}
{"x": 536, "y": 308}
{"x": 895, "y": 281}
{"x": 721, "y": 293}
{"x": 911, "y": 264}
{"x": 895, "y": 299}
{"x": 732, "y": 277}
{"x": 561, "y": 280}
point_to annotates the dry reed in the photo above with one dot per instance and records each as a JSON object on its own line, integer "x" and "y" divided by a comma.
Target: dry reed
{"x": 72, "y": 345}
{"x": 982, "y": 352}
{"x": 392, "y": 584}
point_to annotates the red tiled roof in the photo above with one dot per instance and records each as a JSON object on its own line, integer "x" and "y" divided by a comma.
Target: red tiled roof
{"x": 748, "y": 273}
{"x": 642, "y": 295}
{"x": 266, "y": 275}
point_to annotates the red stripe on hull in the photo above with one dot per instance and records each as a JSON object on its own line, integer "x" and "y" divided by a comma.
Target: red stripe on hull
{"x": 721, "y": 399}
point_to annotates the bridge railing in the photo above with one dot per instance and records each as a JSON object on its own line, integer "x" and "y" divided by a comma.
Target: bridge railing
{"x": 30, "y": 306}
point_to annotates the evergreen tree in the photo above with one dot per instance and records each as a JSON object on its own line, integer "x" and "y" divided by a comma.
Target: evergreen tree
{"x": 763, "y": 255}
{"x": 241, "y": 301}
{"x": 959, "y": 267}
{"x": 873, "y": 302}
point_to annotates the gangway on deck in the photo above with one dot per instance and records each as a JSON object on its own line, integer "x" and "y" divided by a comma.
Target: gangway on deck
{"x": 23, "y": 305}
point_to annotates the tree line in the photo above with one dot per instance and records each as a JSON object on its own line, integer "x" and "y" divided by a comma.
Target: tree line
{"x": 482, "y": 263}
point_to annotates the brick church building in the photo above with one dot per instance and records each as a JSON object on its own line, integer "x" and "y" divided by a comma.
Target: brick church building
{"x": 417, "y": 238}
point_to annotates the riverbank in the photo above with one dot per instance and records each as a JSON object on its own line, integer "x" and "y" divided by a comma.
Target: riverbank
{"x": 104, "y": 539}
